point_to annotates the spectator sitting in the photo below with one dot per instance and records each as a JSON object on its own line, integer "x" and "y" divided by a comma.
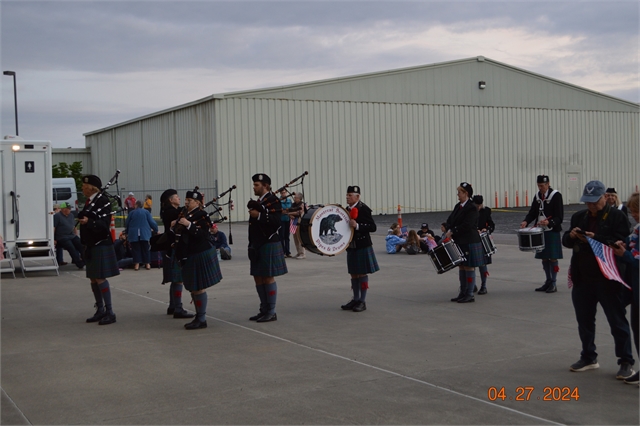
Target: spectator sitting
{"x": 123, "y": 251}
{"x": 412, "y": 246}
{"x": 66, "y": 237}
{"x": 443, "y": 228}
{"x": 424, "y": 233}
{"x": 393, "y": 241}
{"x": 219, "y": 240}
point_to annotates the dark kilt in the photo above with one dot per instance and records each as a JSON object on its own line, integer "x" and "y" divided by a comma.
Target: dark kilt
{"x": 552, "y": 246}
{"x": 270, "y": 261}
{"x": 474, "y": 253}
{"x": 101, "y": 262}
{"x": 362, "y": 261}
{"x": 201, "y": 270}
{"x": 175, "y": 271}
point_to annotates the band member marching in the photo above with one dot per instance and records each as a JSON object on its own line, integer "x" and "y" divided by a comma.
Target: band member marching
{"x": 171, "y": 271}
{"x": 199, "y": 260}
{"x": 485, "y": 224}
{"x": 547, "y": 210}
{"x": 99, "y": 255}
{"x": 361, "y": 260}
{"x": 462, "y": 225}
{"x": 265, "y": 250}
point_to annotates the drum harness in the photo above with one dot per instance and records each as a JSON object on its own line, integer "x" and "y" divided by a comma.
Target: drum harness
{"x": 541, "y": 215}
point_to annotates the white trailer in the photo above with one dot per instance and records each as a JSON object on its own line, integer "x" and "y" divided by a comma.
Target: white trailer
{"x": 26, "y": 223}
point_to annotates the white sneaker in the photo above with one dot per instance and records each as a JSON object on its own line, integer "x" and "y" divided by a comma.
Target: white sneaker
{"x": 301, "y": 256}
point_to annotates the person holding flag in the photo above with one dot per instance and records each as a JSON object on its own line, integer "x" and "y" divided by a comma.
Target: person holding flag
{"x": 596, "y": 277}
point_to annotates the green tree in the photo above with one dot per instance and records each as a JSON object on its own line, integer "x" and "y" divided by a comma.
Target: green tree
{"x": 63, "y": 170}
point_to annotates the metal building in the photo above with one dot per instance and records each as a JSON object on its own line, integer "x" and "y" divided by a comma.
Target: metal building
{"x": 71, "y": 155}
{"x": 407, "y": 136}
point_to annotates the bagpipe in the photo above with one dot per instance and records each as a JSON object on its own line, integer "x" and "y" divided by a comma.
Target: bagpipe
{"x": 98, "y": 209}
{"x": 266, "y": 207}
{"x": 199, "y": 217}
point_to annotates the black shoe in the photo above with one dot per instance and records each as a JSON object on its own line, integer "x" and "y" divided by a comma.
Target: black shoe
{"x": 349, "y": 306}
{"x": 467, "y": 299}
{"x": 195, "y": 324}
{"x": 475, "y": 288}
{"x": 544, "y": 287}
{"x": 256, "y": 317}
{"x": 458, "y": 297}
{"x": 483, "y": 290}
{"x": 268, "y": 318}
{"x": 552, "y": 288}
{"x": 182, "y": 314}
{"x": 97, "y": 316}
{"x": 359, "y": 307}
{"x": 171, "y": 311}
{"x": 108, "y": 318}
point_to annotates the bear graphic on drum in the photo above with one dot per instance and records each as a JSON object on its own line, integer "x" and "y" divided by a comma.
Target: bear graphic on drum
{"x": 325, "y": 230}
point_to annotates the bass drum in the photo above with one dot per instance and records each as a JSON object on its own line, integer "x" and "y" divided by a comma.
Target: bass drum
{"x": 325, "y": 230}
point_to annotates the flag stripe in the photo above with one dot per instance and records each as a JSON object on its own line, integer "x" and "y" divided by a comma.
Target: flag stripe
{"x": 606, "y": 261}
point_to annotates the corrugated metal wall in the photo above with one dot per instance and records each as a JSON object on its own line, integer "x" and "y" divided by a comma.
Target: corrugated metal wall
{"x": 416, "y": 155}
{"x": 70, "y": 156}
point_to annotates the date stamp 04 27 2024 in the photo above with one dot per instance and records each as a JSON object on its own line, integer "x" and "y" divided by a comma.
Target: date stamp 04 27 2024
{"x": 526, "y": 393}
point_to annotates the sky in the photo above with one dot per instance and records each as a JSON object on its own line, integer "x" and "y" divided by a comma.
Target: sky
{"x": 85, "y": 65}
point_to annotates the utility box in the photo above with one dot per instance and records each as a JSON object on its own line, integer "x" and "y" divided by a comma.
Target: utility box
{"x": 26, "y": 222}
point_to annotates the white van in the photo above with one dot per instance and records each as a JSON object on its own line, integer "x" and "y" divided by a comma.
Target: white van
{"x": 64, "y": 190}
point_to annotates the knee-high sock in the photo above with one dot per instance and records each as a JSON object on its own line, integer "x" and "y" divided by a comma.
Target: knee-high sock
{"x": 484, "y": 273}
{"x": 546, "y": 265}
{"x": 97, "y": 294}
{"x": 553, "y": 270}
{"x": 355, "y": 286}
{"x": 364, "y": 286}
{"x": 106, "y": 294}
{"x": 471, "y": 281}
{"x": 262, "y": 294}
{"x": 462, "y": 276}
{"x": 172, "y": 303}
{"x": 200, "y": 301}
{"x": 272, "y": 294}
{"x": 177, "y": 295}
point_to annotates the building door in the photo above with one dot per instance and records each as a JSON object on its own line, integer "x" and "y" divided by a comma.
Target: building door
{"x": 574, "y": 189}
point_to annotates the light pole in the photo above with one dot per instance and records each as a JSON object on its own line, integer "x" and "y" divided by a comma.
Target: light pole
{"x": 15, "y": 95}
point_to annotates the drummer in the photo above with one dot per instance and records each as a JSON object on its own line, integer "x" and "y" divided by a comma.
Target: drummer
{"x": 547, "y": 212}
{"x": 485, "y": 224}
{"x": 361, "y": 260}
{"x": 462, "y": 226}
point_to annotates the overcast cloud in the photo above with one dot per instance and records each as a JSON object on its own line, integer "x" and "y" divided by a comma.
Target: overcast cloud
{"x": 82, "y": 65}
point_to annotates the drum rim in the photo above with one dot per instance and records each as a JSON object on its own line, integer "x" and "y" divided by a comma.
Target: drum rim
{"x": 318, "y": 207}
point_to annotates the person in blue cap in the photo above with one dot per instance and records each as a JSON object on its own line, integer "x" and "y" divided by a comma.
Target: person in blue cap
{"x": 606, "y": 224}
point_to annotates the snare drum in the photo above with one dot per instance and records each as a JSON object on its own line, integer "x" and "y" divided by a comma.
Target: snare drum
{"x": 446, "y": 256}
{"x": 487, "y": 244}
{"x": 325, "y": 230}
{"x": 531, "y": 239}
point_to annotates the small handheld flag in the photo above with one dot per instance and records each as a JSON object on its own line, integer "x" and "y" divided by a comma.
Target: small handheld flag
{"x": 606, "y": 261}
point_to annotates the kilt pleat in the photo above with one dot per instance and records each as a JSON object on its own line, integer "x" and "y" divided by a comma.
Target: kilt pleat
{"x": 362, "y": 261}
{"x": 474, "y": 253}
{"x": 201, "y": 270}
{"x": 552, "y": 246}
{"x": 102, "y": 262}
{"x": 270, "y": 262}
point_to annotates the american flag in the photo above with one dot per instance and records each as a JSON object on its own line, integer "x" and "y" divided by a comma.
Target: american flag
{"x": 606, "y": 261}
{"x": 293, "y": 226}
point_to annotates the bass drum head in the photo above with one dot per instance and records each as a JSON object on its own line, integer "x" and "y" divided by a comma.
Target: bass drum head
{"x": 325, "y": 230}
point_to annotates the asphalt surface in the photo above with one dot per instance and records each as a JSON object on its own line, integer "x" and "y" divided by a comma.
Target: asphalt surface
{"x": 412, "y": 357}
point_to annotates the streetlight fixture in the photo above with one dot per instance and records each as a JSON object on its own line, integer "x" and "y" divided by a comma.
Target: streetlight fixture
{"x": 15, "y": 95}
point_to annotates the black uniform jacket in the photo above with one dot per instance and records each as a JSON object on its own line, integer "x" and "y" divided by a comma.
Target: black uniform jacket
{"x": 610, "y": 225}
{"x": 463, "y": 223}
{"x": 195, "y": 239}
{"x": 366, "y": 225}
{"x": 96, "y": 231}
{"x": 485, "y": 221}
{"x": 553, "y": 210}
{"x": 169, "y": 214}
{"x": 264, "y": 229}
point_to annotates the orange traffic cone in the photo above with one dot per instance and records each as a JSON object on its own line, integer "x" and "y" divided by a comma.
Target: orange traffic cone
{"x": 113, "y": 228}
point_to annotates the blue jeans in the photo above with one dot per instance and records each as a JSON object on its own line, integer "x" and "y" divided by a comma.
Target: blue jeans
{"x": 585, "y": 297}
{"x": 141, "y": 251}
{"x": 74, "y": 247}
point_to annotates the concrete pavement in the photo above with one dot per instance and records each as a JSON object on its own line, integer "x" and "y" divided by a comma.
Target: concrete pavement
{"x": 412, "y": 358}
